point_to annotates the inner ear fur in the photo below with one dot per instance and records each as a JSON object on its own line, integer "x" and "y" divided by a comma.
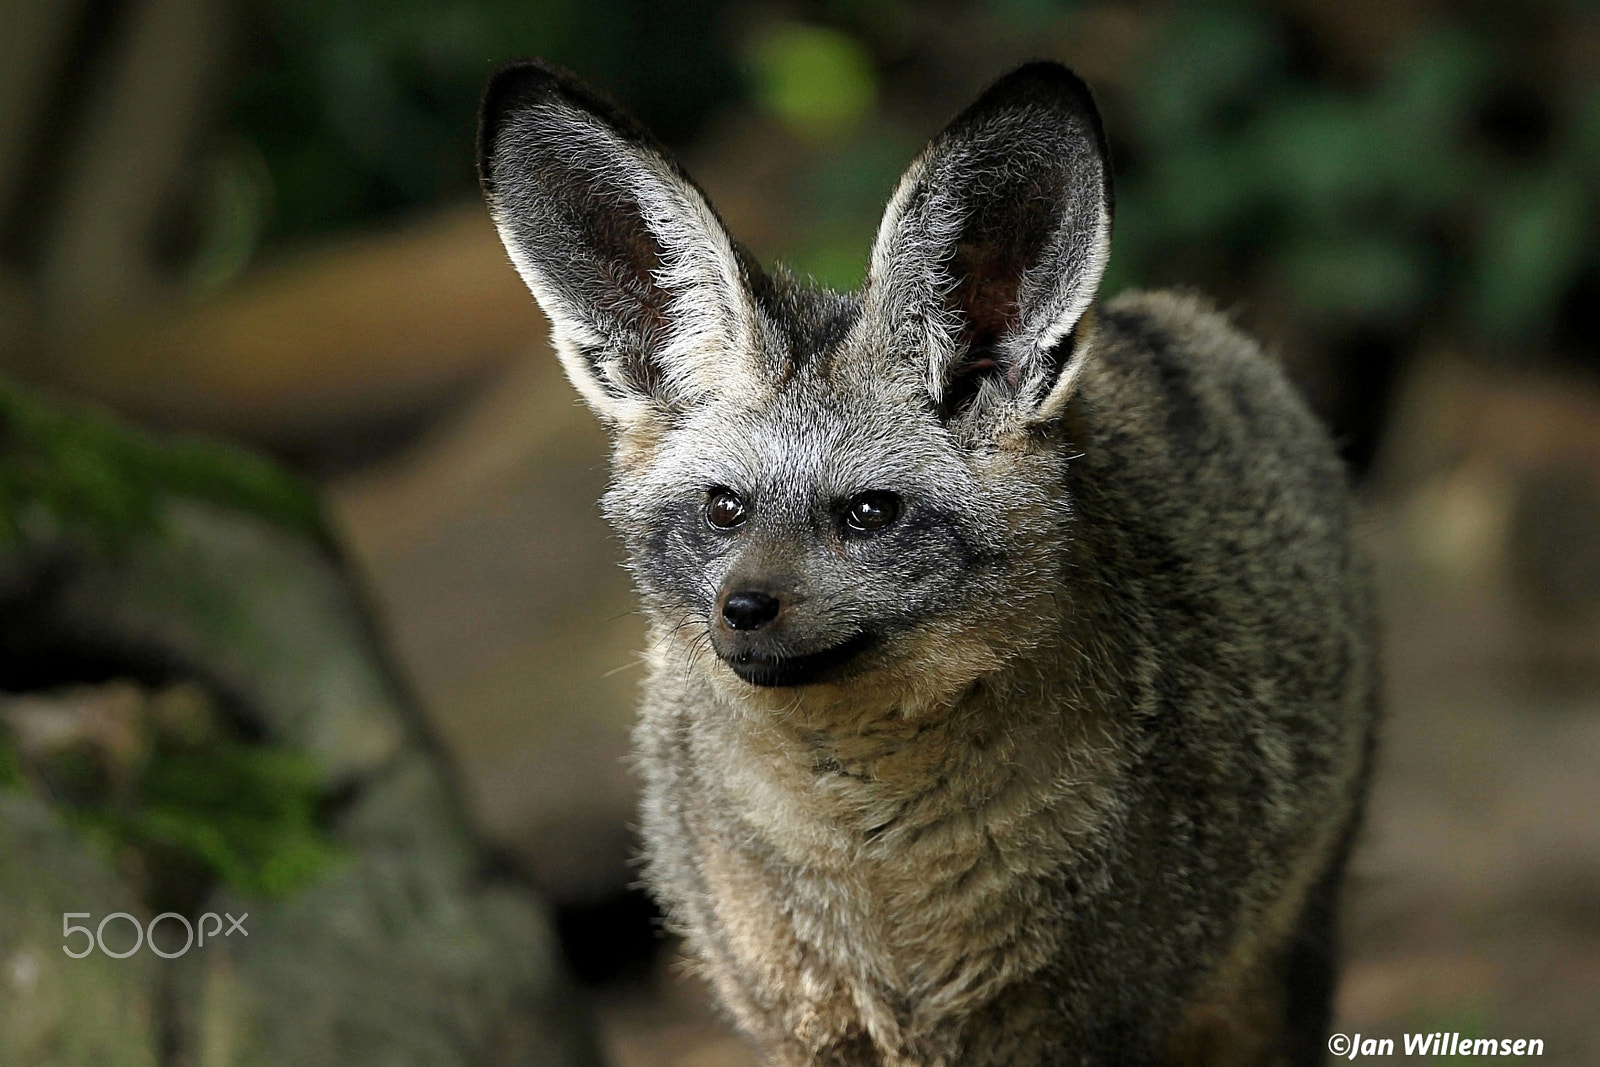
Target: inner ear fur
{"x": 646, "y": 292}
{"x": 994, "y": 244}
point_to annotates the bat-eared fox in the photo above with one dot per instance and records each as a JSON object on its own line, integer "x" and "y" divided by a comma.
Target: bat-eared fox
{"x": 1011, "y": 677}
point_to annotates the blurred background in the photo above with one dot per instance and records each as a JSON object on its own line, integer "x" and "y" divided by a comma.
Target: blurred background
{"x": 257, "y": 219}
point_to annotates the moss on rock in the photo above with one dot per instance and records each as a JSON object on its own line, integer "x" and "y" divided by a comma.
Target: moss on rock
{"x": 89, "y": 470}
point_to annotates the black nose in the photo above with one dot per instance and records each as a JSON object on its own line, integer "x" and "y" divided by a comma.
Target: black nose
{"x": 749, "y": 610}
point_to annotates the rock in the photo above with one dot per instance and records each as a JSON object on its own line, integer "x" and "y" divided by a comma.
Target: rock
{"x": 55, "y": 1010}
{"x": 414, "y": 946}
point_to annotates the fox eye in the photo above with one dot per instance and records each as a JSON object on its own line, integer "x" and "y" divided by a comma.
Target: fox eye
{"x": 867, "y": 512}
{"x": 724, "y": 510}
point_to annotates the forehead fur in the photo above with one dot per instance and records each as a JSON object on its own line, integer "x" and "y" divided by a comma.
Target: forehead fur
{"x": 831, "y": 347}
{"x": 803, "y": 321}
{"x": 812, "y": 438}
{"x": 836, "y": 409}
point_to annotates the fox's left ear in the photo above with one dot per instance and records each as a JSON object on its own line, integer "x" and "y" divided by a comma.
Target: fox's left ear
{"x": 993, "y": 245}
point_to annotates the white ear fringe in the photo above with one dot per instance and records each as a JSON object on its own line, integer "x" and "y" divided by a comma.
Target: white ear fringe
{"x": 713, "y": 327}
{"x": 906, "y": 285}
{"x": 1075, "y": 286}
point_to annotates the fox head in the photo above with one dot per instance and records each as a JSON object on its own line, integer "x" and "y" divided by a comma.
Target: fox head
{"x": 836, "y": 492}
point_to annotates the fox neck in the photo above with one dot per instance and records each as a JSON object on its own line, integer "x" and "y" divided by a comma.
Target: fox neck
{"x": 902, "y": 832}
{"x": 838, "y": 778}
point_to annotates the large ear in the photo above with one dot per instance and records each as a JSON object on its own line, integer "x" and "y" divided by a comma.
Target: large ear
{"x": 647, "y": 297}
{"x": 993, "y": 245}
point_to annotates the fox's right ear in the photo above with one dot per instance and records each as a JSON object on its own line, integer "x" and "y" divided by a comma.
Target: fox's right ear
{"x": 646, "y": 294}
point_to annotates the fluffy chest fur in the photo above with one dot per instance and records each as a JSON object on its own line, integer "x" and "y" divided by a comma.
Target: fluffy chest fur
{"x": 884, "y": 877}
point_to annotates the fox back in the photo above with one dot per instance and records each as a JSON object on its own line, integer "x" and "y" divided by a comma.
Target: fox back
{"x": 1011, "y": 681}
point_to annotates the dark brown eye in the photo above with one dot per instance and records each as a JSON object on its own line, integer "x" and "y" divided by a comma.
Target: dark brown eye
{"x": 871, "y": 511}
{"x": 724, "y": 510}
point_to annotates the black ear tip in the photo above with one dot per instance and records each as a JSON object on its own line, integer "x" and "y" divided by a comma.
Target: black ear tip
{"x": 510, "y": 89}
{"x": 1043, "y": 71}
{"x": 1044, "y": 86}
{"x": 519, "y": 88}
{"x": 1048, "y": 87}
{"x": 1042, "y": 81}
{"x": 519, "y": 81}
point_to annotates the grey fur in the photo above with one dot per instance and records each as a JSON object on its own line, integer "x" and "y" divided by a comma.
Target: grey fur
{"x": 1066, "y": 758}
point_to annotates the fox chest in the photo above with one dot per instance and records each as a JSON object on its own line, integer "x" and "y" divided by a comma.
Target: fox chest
{"x": 892, "y": 942}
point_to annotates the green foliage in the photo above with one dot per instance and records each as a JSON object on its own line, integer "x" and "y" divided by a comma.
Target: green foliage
{"x": 10, "y": 769}
{"x": 163, "y": 776}
{"x": 1366, "y": 191}
{"x": 1536, "y": 236}
{"x": 819, "y": 81}
{"x": 842, "y": 194}
{"x": 88, "y": 471}
{"x": 1377, "y": 204}
{"x": 363, "y": 109}
{"x": 246, "y": 814}
{"x": 236, "y": 191}
{"x": 1208, "y": 57}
